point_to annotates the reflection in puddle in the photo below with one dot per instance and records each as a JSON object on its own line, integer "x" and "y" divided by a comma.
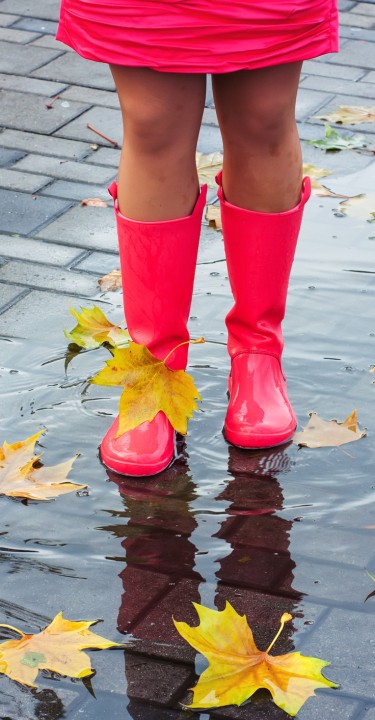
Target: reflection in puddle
{"x": 160, "y": 579}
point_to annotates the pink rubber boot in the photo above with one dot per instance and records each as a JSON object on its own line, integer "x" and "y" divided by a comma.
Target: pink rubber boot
{"x": 260, "y": 250}
{"x": 158, "y": 262}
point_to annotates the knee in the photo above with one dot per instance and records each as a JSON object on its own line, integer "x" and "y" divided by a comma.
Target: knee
{"x": 149, "y": 128}
{"x": 264, "y": 129}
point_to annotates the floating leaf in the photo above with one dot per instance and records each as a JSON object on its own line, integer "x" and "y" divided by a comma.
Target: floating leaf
{"x": 94, "y": 329}
{"x": 320, "y": 433}
{"x": 20, "y": 478}
{"x": 149, "y": 386}
{"x": 360, "y": 206}
{"x": 110, "y": 282}
{"x": 237, "y": 668}
{"x": 208, "y": 166}
{"x": 58, "y": 648}
{"x": 315, "y": 173}
{"x": 350, "y": 115}
{"x": 333, "y": 141}
{"x": 94, "y": 202}
{"x": 213, "y": 215}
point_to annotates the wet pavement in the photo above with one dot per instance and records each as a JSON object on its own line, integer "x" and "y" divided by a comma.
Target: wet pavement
{"x": 287, "y": 530}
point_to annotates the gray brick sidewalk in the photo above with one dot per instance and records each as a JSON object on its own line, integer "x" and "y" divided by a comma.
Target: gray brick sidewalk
{"x": 52, "y": 253}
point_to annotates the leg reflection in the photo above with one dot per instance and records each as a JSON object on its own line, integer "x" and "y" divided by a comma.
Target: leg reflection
{"x": 159, "y": 582}
{"x": 257, "y": 576}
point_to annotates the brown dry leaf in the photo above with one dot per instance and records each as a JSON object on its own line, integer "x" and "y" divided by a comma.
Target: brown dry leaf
{"x": 213, "y": 216}
{"x": 361, "y": 207}
{"x": 149, "y": 386}
{"x": 58, "y": 648}
{"x": 94, "y": 202}
{"x": 20, "y": 478}
{"x": 110, "y": 282}
{"x": 350, "y": 115}
{"x": 208, "y": 166}
{"x": 320, "y": 433}
{"x": 237, "y": 668}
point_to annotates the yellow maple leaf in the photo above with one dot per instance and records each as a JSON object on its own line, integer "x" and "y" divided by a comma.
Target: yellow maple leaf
{"x": 20, "y": 478}
{"x": 213, "y": 215}
{"x": 208, "y": 166}
{"x": 320, "y": 433}
{"x": 359, "y": 206}
{"x": 350, "y": 115}
{"x": 58, "y": 648}
{"x": 149, "y": 386}
{"x": 237, "y": 668}
{"x": 93, "y": 329}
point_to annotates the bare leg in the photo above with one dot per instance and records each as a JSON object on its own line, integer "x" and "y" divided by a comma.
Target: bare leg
{"x": 162, "y": 114}
{"x": 262, "y": 155}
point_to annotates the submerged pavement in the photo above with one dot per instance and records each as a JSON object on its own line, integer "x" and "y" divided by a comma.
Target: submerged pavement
{"x": 288, "y": 530}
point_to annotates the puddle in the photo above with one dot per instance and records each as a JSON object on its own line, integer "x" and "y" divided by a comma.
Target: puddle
{"x": 287, "y": 530}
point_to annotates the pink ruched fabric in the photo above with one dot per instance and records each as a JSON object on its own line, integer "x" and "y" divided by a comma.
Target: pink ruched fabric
{"x": 202, "y": 36}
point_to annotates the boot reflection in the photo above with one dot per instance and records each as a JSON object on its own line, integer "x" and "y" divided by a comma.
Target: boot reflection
{"x": 159, "y": 582}
{"x": 257, "y": 576}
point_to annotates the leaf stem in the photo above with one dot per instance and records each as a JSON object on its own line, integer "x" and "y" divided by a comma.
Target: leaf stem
{"x": 285, "y": 618}
{"x": 198, "y": 341}
{"x": 10, "y": 627}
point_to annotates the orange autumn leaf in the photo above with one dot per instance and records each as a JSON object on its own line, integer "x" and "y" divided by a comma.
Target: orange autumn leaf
{"x": 237, "y": 668}
{"x": 110, "y": 282}
{"x": 320, "y": 433}
{"x": 149, "y": 387}
{"x": 58, "y": 648}
{"x": 20, "y": 478}
{"x": 93, "y": 329}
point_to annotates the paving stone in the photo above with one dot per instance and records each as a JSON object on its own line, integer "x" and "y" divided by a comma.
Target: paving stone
{"x": 346, "y": 4}
{"x": 6, "y": 20}
{"x": 365, "y": 8}
{"x": 309, "y": 102}
{"x": 344, "y": 87}
{"x": 92, "y": 97}
{"x": 30, "y": 85}
{"x": 361, "y": 21}
{"x": 341, "y": 638}
{"x": 353, "y": 52}
{"x": 358, "y": 34}
{"x": 25, "y": 182}
{"x": 98, "y": 262}
{"x": 369, "y": 715}
{"x": 8, "y": 156}
{"x": 49, "y": 41}
{"x": 314, "y": 578}
{"x": 325, "y": 705}
{"x": 85, "y": 227}
{"x": 46, "y": 9}
{"x": 370, "y": 77}
{"x": 24, "y": 318}
{"x": 22, "y": 213}
{"x": 314, "y": 67}
{"x": 9, "y": 294}
{"x": 154, "y": 681}
{"x": 210, "y": 117}
{"x": 76, "y": 70}
{"x": 105, "y": 156}
{"x": 17, "y": 36}
{"x": 37, "y": 25}
{"x": 106, "y": 121}
{"x": 64, "y": 169}
{"x": 75, "y": 190}
{"x": 32, "y": 113}
{"x": 15, "y": 58}
{"x": 35, "y": 275}
{"x": 33, "y": 142}
{"x": 37, "y": 251}
{"x": 209, "y": 139}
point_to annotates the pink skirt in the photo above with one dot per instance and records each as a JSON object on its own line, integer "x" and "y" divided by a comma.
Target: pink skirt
{"x": 199, "y": 36}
